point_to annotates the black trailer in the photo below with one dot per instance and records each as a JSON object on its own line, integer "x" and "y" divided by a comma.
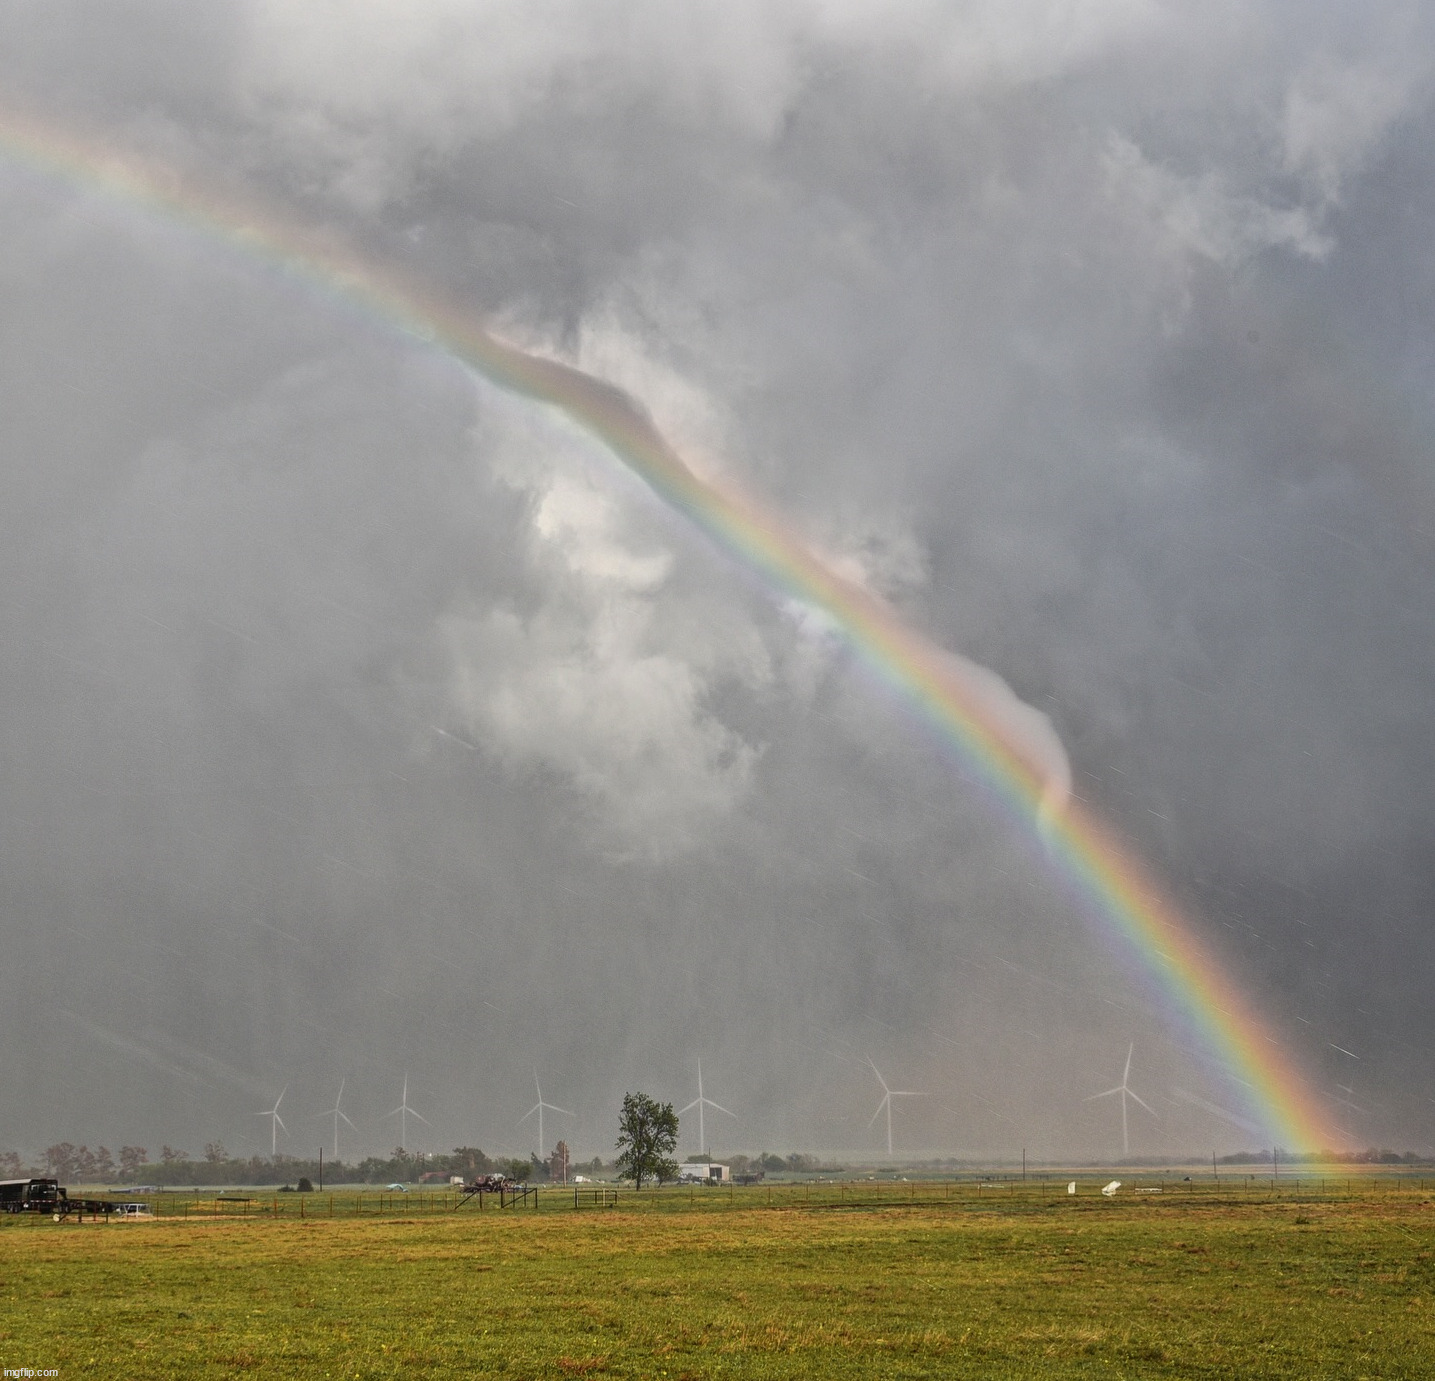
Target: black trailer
{"x": 49, "y": 1196}
{"x": 31, "y": 1196}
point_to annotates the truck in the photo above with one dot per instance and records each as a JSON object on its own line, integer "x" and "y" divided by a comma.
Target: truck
{"x": 31, "y": 1196}
{"x": 40, "y": 1195}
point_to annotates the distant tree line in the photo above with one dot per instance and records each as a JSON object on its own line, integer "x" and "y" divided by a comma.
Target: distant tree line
{"x": 1373, "y": 1156}
{"x": 80, "y": 1165}
{"x": 65, "y": 1160}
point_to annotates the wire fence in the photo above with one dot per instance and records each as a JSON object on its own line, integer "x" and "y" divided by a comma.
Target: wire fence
{"x": 975, "y": 1193}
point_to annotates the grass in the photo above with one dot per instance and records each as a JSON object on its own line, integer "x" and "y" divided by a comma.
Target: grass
{"x": 854, "y": 1281}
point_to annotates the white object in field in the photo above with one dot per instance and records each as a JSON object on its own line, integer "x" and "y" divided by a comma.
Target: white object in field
{"x": 1110, "y": 1189}
{"x": 1071, "y": 1188}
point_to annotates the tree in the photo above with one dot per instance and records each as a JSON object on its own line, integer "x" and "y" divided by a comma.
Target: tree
{"x": 131, "y": 1158}
{"x": 169, "y": 1155}
{"x": 470, "y": 1158}
{"x": 647, "y": 1137}
{"x": 214, "y": 1152}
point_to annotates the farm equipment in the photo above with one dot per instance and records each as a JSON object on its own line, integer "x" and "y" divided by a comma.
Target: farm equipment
{"x": 509, "y": 1192}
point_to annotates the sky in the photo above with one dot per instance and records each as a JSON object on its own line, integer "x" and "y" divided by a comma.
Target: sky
{"x": 361, "y": 720}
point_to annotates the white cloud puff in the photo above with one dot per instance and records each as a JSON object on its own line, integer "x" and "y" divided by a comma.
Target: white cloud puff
{"x": 605, "y": 676}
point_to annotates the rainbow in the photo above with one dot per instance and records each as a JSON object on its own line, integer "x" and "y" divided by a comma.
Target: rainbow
{"x": 1120, "y": 889}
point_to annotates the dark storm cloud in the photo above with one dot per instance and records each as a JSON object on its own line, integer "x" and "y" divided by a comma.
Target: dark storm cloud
{"x": 359, "y": 720}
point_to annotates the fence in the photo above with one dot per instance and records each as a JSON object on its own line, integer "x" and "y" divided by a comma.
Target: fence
{"x": 595, "y": 1198}
{"x": 961, "y": 1194}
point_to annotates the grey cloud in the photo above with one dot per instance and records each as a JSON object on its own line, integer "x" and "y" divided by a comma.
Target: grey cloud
{"x": 1095, "y": 336}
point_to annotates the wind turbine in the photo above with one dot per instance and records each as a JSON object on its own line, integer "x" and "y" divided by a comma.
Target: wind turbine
{"x": 403, "y": 1112}
{"x": 1124, "y": 1089}
{"x": 336, "y": 1113}
{"x": 276, "y": 1123}
{"x": 888, "y": 1094}
{"x": 538, "y": 1108}
{"x": 699, "y": 1103}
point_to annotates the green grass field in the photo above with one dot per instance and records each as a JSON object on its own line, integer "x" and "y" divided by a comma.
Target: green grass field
{"x": 827, "y": 1281}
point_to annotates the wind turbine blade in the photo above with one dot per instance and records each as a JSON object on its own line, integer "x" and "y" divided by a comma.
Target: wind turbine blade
{"x": 553, "y": 1107}
{"x": 691, "y": 1106}
{"x": 907, "y": 1093}
{"x": 348, "y": 1119}
{"x": 1118, "y": 1089}
{"x": 878, "y": 1073}
{"x": 280, "y": 1121}
{"x": 1130, "y": 1051}
{"x": 530, "y": 1112}
{"x": 395, "y": 1112}
{"x": 280, "y": 1099}
{"x": 878, "y": 1113}
{"x": 1145, "y": 1105}
{"x": 718, "y": 1107}
{"x": 420, "y": 1117}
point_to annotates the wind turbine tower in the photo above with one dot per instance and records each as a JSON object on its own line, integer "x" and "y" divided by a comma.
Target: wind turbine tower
{"x": 700, "y": 1103}
{"x": 1124, "y": 1089}
{"x": 336, "y": 1113}
{"x": 888, "y": 1094}
{"x": 275, "y": 1122}
{"x": 538, "y": 1108}
{"x": 403, "y": 1112}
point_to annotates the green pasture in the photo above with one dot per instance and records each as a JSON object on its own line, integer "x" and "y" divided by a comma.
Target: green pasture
{"x": 1332, "y": 1278}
